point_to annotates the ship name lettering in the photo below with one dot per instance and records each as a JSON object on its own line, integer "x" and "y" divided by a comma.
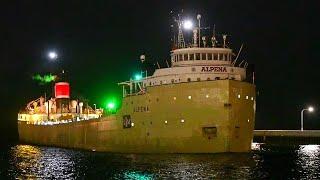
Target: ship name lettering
{"x": 213, "y": 69}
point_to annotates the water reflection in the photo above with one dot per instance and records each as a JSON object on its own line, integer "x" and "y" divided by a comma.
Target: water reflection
{"x": 24, "y": 161}
{"x": 40, "y": 162}
{"x": 309, "y": 161}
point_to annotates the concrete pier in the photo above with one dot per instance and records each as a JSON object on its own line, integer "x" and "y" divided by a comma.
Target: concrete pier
{"x": 287, "y": 137}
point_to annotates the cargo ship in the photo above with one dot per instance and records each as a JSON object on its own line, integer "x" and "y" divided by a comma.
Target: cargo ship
{"x": 203, "y": 101}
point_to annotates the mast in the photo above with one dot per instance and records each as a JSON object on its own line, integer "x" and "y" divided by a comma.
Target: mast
{"x": 181, "y": 43}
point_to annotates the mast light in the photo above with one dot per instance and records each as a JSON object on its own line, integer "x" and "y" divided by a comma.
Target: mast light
{"x": 187, "y": 24}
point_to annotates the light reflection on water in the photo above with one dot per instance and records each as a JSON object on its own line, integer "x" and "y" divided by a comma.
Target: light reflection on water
{"x": 26, "y": 161}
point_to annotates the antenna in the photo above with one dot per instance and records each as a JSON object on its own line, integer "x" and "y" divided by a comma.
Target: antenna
{"x": 195, "y": 38}
{"x": 199, "y": 17}
{"x": 224, "y": 36}
{"x": 181, "y": 43}
{"x": 213, "y": 39}
{"x": 234, "y": 62}
{"x": 204, "y": 41}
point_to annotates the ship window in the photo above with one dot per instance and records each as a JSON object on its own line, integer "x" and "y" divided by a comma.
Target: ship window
{"x": 247, "y": 97}
{"x": 189, "y": 97}
{"x": 226, "y": 57}
{"x": 197, "y": 56}
{"x": 185, "y": 57}
{"x": 208, "y": 79}
{"x": 229, "y": 57}
{"x": 160, "y": 82}
{"x": 198, "y": 79}
{"x": 189, "y": 79}
{"x": 239, "y": 96}
{"x": 220, "y": 57}
{"x": 150, "y": 83}
{"x": 180, "y": 57}
{"x": 251, "y": 98}
{"x": 166, "y": 122}
{"x": 172, "y": 80}
{"x": 174, "y": 98}
{"x": 182, "y": 120}
{"x": 209, "y": 56}
{"x": 191, "y": 56}
{"x": 217, "y": 78}
{"x": 215, "y": 56}
{"x": 203, "y": 56}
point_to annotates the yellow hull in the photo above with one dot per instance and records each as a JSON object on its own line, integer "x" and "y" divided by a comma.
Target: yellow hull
{"x": 197, "y": 117}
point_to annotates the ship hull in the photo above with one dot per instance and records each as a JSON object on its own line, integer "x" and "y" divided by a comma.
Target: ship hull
{"x": 198, "y": 117}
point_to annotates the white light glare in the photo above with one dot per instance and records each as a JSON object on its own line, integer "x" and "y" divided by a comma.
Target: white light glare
{"x": 52, "y": 55}
{"x": 310, "y": 109}
{"x": 187, "y": 24}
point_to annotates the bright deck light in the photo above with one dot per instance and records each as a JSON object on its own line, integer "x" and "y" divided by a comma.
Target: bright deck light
{"x": 187, "y": 24}
{"x": 52, "y": 55}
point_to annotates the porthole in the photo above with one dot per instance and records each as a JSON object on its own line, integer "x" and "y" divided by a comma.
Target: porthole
{"x": 251, "y": 98}
{"x": 189, "y": 97}
{"x": 174, "y": 98}
{"x": 198, "y": 79}
{"x": 247, "y": 97}
{"x": 182, "y": 120}
{"x": 172, "y": 81}
{"x": 189, "y": 79}
{"x": 132, "y": 124}
{"x": 208, "y": 79}
{"x": 166, "y": 122}
{"x": 207, "y": 96}
{"x": 239, "y": 96}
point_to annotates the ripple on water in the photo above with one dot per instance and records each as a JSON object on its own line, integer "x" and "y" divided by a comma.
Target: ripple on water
{"x": 26, "y": 161}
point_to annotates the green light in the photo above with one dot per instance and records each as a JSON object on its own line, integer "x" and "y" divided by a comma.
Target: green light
{"x": 138, "y": 77}
{"x": 111, "y": 105}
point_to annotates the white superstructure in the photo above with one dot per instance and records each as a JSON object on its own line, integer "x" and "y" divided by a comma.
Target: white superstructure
{"x": 198, "y": 61}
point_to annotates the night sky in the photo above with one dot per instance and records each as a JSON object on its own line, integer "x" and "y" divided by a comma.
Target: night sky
{"x": 99, "y": 44}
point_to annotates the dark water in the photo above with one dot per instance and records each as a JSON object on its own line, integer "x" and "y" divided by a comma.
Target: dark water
{"x": 25, "y": 161}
